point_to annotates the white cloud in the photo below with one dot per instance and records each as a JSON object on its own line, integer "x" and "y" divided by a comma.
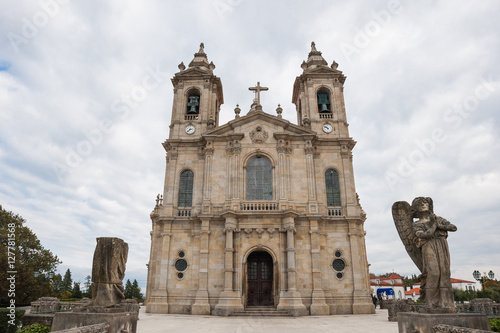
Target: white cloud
{"x": 417, "y": 65}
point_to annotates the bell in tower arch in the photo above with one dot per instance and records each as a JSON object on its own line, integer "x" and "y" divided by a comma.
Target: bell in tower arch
{"x": 193, "y": 104}
{"x": 323, "y": 103}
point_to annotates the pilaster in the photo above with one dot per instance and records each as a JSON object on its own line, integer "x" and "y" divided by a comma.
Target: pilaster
{"x": 201, "y": 304}
{"x": 290, "y": 298}
{"x": 318, "y": 304}
{"x": 362, "y": 303}
{"x": 158, "y": 302}
{"x": 229, "y": 299}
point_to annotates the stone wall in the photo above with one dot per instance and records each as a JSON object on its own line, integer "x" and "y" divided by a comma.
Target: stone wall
{"x": 455, "y": 329}
{"x": 477, "y": 305}
{"x": 98, "y": 328}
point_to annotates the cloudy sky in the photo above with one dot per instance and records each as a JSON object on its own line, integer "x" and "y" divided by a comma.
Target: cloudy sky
{"x": 422, "y": 96}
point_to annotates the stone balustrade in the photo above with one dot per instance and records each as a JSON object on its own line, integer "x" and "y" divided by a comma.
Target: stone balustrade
{"x": 53, "y": 304}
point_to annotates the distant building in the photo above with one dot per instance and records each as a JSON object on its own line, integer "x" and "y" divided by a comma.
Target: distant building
{"x": 457, "y": 284}
{"x": 389, "y": 287}
{"x": 413, "y": 293}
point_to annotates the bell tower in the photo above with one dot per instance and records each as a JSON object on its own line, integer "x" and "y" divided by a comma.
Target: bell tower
{"x": 318, "y": 95}
{"x": 197, "y": 98}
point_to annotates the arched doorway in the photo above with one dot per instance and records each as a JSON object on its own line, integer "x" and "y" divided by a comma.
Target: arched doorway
{"x": 260, "y": 279}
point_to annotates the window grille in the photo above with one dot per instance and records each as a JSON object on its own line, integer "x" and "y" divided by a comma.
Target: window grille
{"x": 186, "y": 189}
{"x": 259, "y": 179}
{"x": 332, "y": 188}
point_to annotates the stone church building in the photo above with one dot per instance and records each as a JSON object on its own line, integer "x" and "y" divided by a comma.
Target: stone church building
{"x": 259, "y": 213}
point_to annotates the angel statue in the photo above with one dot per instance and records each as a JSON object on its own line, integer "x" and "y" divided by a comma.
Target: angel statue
{"x": 425, "y": 242}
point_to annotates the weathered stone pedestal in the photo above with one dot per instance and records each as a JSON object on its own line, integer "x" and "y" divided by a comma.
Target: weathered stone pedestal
{"x": 410, "y": 322}
{"x": 118, "y": 322}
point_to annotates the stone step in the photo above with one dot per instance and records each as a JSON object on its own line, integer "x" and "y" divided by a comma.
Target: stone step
{"x": 261, "y": 311}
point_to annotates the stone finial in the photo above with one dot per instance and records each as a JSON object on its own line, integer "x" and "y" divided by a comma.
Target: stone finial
{"x": 279, "y": 110}
{"x": 182, "y": 66}
{"x": 313, "y": 47}
{"x": 200, "y": 58}
{"x": 306, "y": 122}
{"x": 334, "y": 65}
{"x": 237, "y": 111}
{"x": 303, "y": 65}
{"x": 211, "y": 66}
{"x": 211, "y": 122}
{"x": 314, "y": 59}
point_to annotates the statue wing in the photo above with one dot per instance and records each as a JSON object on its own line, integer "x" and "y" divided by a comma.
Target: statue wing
{"x": 404, "y": 224}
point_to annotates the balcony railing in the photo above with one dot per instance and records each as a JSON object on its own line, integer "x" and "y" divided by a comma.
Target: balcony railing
{"x": 184, "y": 212}
{"x": 191, "y": 117}
{"x": 335, "y": 211}
{"x": 326, "y": 116}
{"x": 260, "y": 206}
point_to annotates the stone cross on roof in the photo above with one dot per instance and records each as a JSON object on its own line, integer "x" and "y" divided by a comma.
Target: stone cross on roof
{"x": 257, "y": 90}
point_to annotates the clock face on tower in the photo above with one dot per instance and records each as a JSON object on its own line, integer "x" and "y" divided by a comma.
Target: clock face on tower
{"x": 327, "y": 128}
{"x": 190, "y": 129}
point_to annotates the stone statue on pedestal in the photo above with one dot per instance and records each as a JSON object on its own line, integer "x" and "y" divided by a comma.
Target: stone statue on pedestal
{"x": 425, "y": 242}
{"x": 108, "y": 271}
{"x": 108, "y": 304}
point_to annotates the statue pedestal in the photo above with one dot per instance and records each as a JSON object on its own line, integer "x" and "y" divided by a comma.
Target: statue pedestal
{"x": 411, "y": 322}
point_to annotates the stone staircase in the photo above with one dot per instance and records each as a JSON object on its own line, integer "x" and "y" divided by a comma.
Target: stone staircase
{"x": 261, "y": 311}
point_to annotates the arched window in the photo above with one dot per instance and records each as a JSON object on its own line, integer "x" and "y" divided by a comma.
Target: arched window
{"x": 186, "y": 189}
{"x": 193, "y": 102}
{"x": 332, "y": 188}
{"x": 324, "y": 101}
{"x": 259, "y": 179}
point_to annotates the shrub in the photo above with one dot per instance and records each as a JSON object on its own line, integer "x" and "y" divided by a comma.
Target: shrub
{"x": 495, "y": 324}
{"x": 35, "y": 328}
{"x": 7, "y": 316}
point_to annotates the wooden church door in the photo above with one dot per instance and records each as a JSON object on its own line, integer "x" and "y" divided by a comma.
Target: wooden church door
{"x": 260, "y": 279}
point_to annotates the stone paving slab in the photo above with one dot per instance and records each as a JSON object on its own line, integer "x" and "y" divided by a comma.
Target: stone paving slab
{"x": 373, "y": 323}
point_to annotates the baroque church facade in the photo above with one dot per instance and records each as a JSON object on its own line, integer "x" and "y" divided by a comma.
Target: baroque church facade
{"x": 258, "y": 213}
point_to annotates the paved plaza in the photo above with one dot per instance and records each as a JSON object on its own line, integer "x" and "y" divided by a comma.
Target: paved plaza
{"x": 373, "y": 323}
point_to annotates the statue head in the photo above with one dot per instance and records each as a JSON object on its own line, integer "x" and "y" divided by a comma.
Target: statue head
{"x": 421, "y": 206}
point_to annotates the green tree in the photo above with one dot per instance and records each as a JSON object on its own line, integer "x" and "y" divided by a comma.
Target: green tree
{"x": 77, "y": 293}
{"x": 22, "y": 252}
{"x": 128, "y": 289}
{"x": 57, "y": 287}
{"x": 493, "y": 290}
{"x": 88, "y": 287}
{"x": 67, "y": 282}
{"x": 136, "y": 291}
{"x": 409, "y": 281}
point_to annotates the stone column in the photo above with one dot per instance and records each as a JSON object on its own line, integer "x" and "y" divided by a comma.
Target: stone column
{"x": 229, "y": 300}
{"x": 318, "y": 305}
{"x": 201, "y": 304}
{"x": 362, "y": 303}
{"x": 290, "y": 298}
{"x": 159, "y": 296}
